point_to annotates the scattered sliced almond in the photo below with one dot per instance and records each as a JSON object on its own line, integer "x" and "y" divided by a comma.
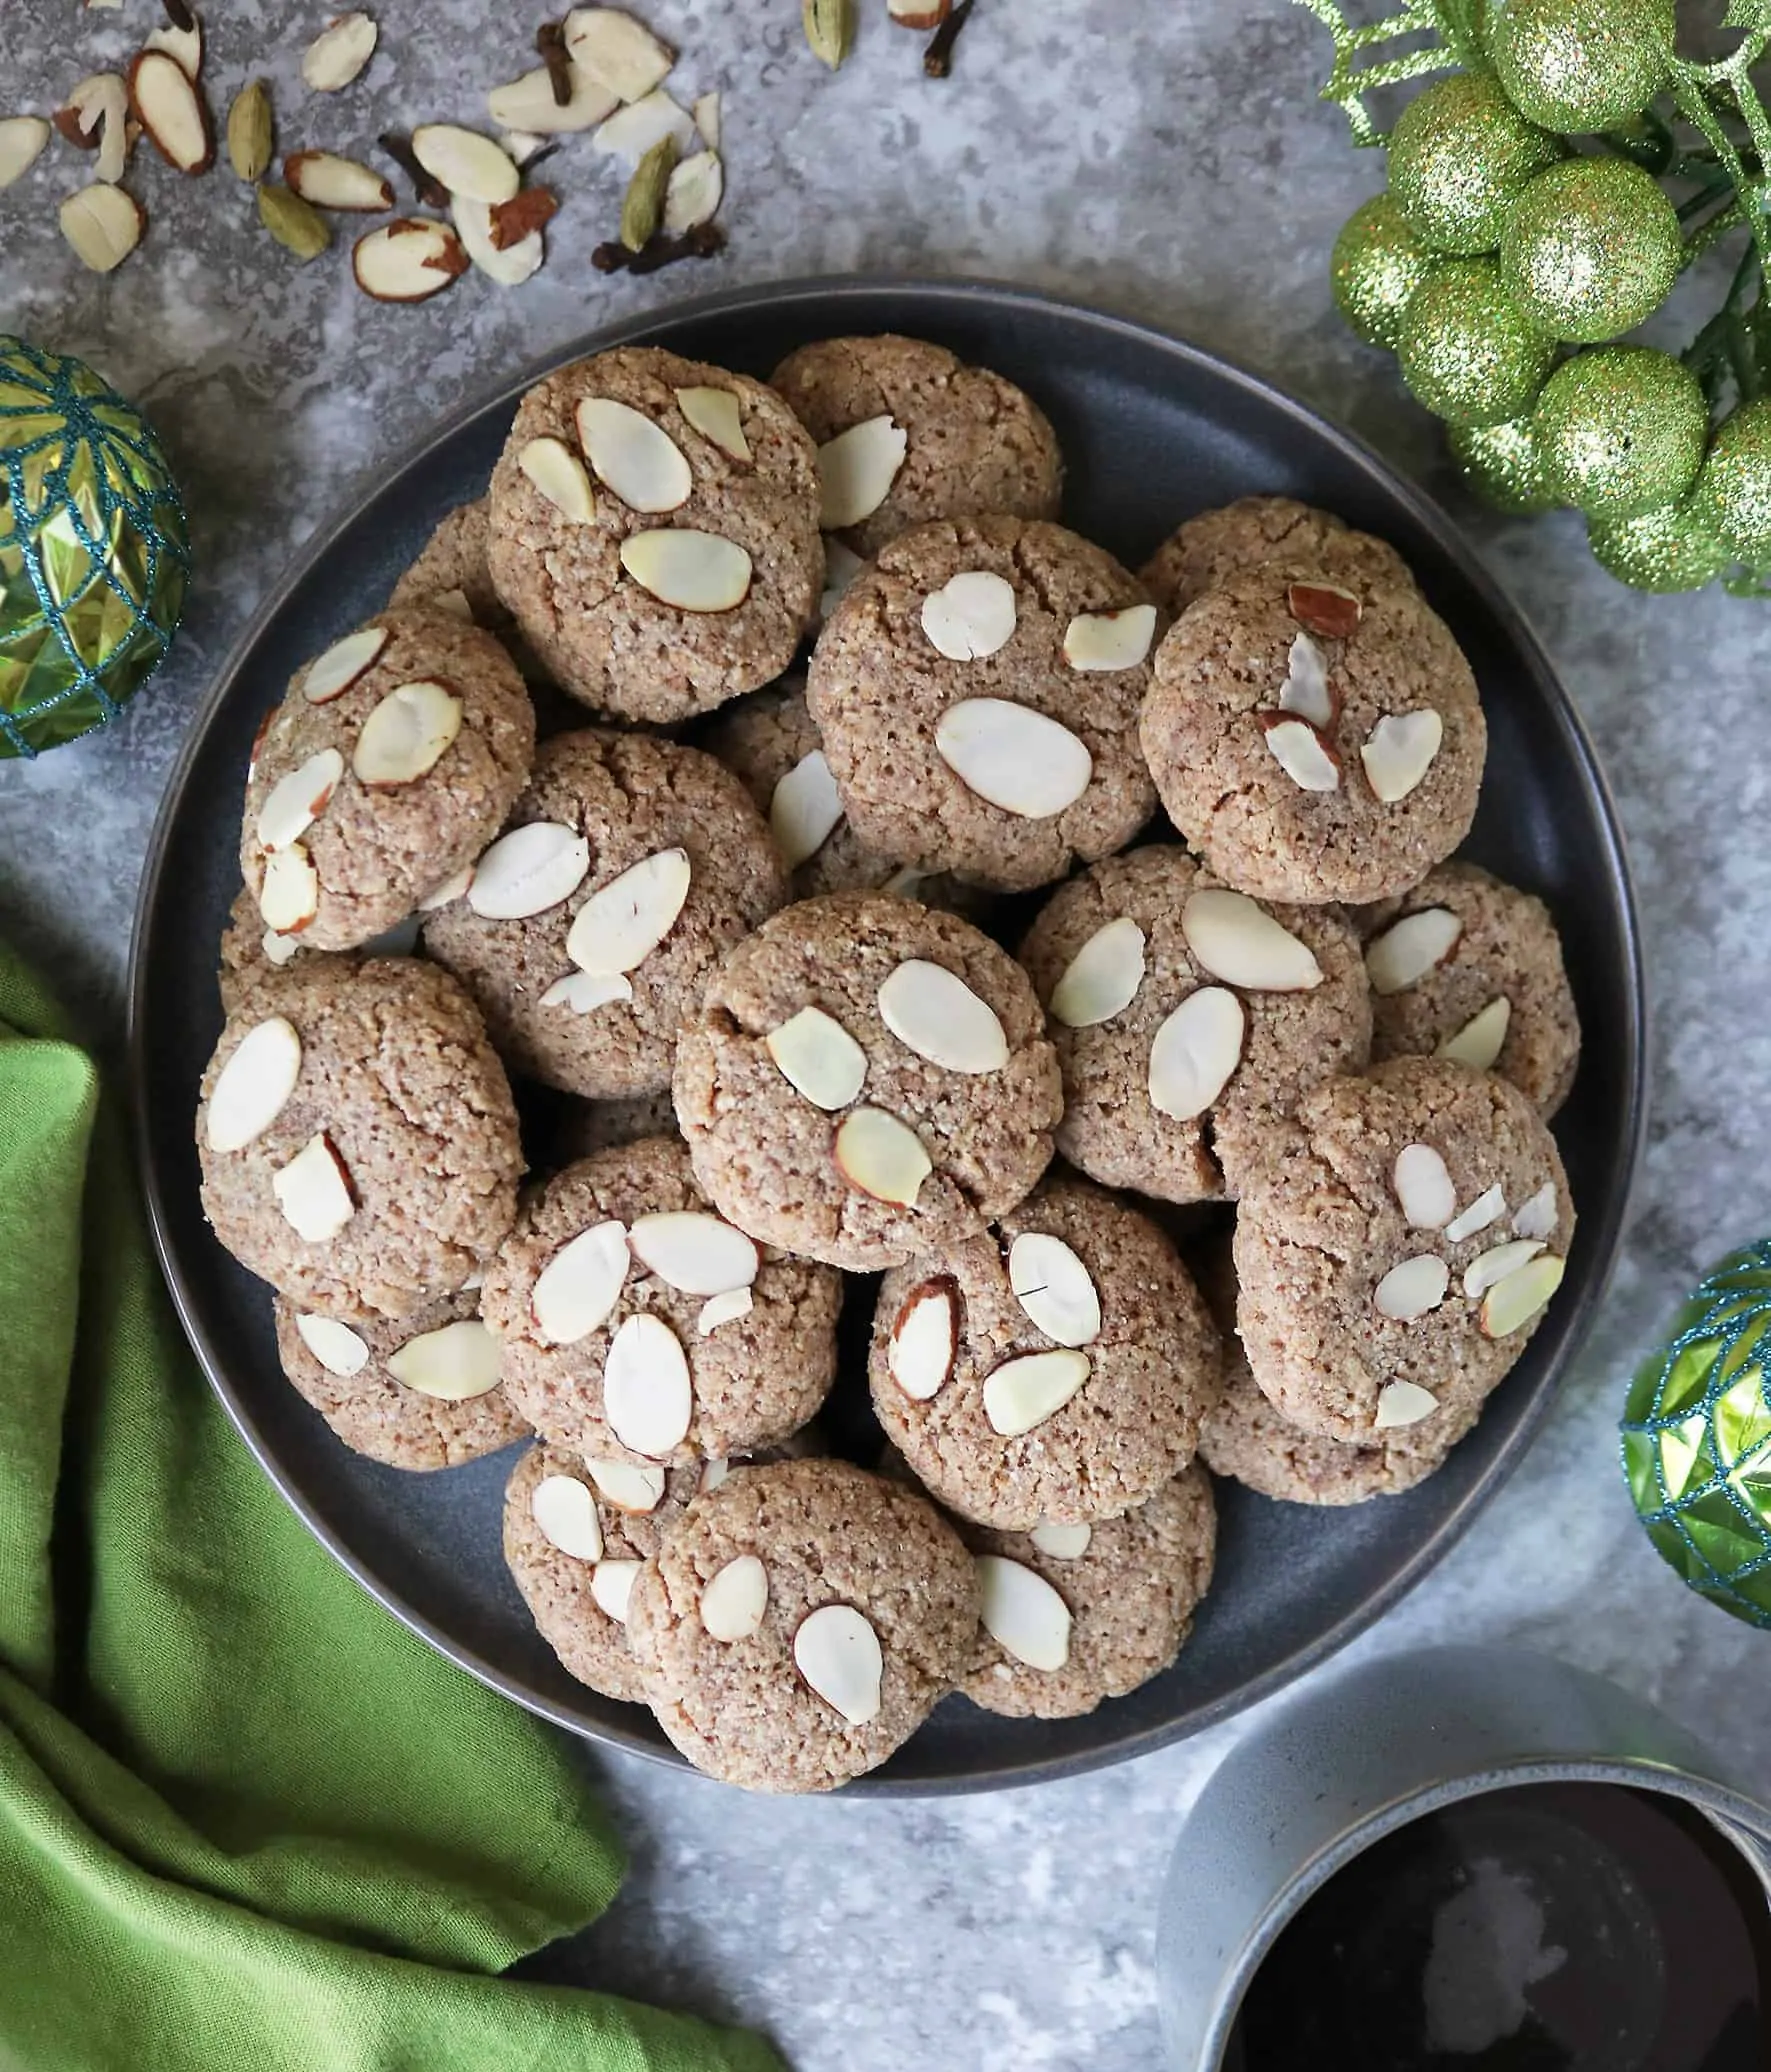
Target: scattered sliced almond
{"x": 838, "y": 1653}
{"x": 925, "y": 1338}
{"x": 1022, "y": 1613}
{"x": 936, "y": 1014}
{"x": 336, "y": 1346}
{"x": 620, "y": 51}
{"x": 466, "y": 162}
{"x": 1324, "y": 608}
{"x": 1013, "y": 757}
{"x": 297, "y": 800}
{"x": 734, "y": 1599}
{"x": 253, "y": 1087}
{"x": 1110, "y": 640}
{"x": 647, "y": 1397}
{"x": 856, "y": 471}
{"x": 1402, "y": 1403}
{"x": 527, "y": 106}
{"x": 1195, "y": 1051}
{"x": 628, "y": 1488}
{"x": 707, "y": 120}
{"x": 716, "y": 414}
{"x": 1062, "y": 1542}
{"x": 510, "y": 265}
{"x": 515, "y": 222}
{"x": 1300, "y": 751}
{"x": 1540, "y": 1215}
{"x": 171, "y": 111}
{"x": 724, "y": 1309}
{"x": 695, "y": 571}
{"x": 1511, "y": 1304}
{"x": 564, "y": 1511}
{"x": 529, "y": 870}
{"x": 278, "y": 949}
{"x": 454, "y": 1363}
{"x": 407, "y": 734}
{"x": 327, "y": 181}
{"x": 312, "y": 1192}
{"x": 634, "y": 456}
{"x": 1412, "y": 1289}
{"x": 1023, "y": 1392}
{"x": 919, "y": 14}
{"x": 331, "y": 674}
{"x": 100, "y": 109}
{"x": 1403, "y": 955}
{"x": 611, "y": 1584}
{"x": 103, "y": 224}
{"x": 623, "y": 922}
{"x": 1482, "y": 1038}
{"x": 841, "y": 566}
{"x": 186, "y": 45}
{"x": 713, "y": 1474}
{"x": 1305, "y": 691}
{"x": 1422, "y": 1181}
{"x": 1400, "y": 751}
{"x": 1054, "y": 1288}
{"x": 971, "y": 616}
{"x": 452, "y": 604}
{"x": 555, "y": 470}
{"x": 1488, "y": 1207}
{"x": 632, "y": 131}
{"x": 22, "y": 138}
{"x": 881, "y": 1156}
{"x": 408, "y": 260}
{"x": 1103, "y": 977}
{"x": 289, "y": 897}
{"x": 1492, "y": 1266}
{"x": 697, "y": 187}
{"x": 585, "y": 991}
{"x": 1237, "y": 940}
{"x": 805, "y": 809}
{"x": 577, "y": 1290}
{"x": 818, "y": 1057}
{"x": 695, "y": 1252}
{"x": 338, "y": 53}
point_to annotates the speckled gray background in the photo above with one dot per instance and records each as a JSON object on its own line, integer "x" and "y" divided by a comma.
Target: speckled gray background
{"x": 1168, "y": 161}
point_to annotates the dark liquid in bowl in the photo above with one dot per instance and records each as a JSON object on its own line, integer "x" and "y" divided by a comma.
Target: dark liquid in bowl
{"x": 1546, "y": 1928}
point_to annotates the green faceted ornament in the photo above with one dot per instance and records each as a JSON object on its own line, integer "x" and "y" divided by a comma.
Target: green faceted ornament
{"x": 1578, "y": 65}
{"x": 1466, "y": 350}
{"x": 1665, "y": 549}
{"x": 1697, "y": 1439}
{"x": 94, "y": 555}
{"x": 1591, "y": 250}
{"x": 1621, "y": 429}
{"x": 1377, "y": 265}
{"x": 1733, "y": 493}
{"x": 1459, "y": 158}
{"x": 1502, "y": 465}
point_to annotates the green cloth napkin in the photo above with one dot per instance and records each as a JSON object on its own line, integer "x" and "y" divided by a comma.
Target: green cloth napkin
{"x": 246, "y": 1818}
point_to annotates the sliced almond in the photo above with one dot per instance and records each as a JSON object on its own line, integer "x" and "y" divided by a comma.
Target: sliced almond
{"x": 1055, "y": 1289}
{"x": 1103, "y": 977}
{"x": 22, "y": 138}
{"x": 1422, "y": 1181}
{"x": 296, "y": 801}
{"x": 841, "y": 566}
{"x": 632, "y": 131}
{"x": 1022, "y": 1613}
{"x": 171, "y": 111}
{"x": 408, "y": 260}
{"x": 313, "y": 1193}
{"x": 925, "y": 1338}
{"x": 1540, "y": 1215}
{"x": 623, "y": 922}
{"x": 696, "y": 1253}
{"x": 856, "y": 471}
{"x": 634, "y": 456}
{"x": 724, "y": 1309}
{"x": 1492, "y": 1266}
{"x": 1023, "y": 1392}
{"x": 1412, "y": 1289}
{"x": 1062, "y": 1542}
{"x": 707, "y": 120}
{"x": 818, "y": 1058}
{"x": 326, "y": 181}
{"x": 1402, "y": 1403}
{"x": 336, "y": 1346}
{"x": 559, "y": 474}
{"x": 1488, "y": 1207}
{"x": 577, "y": 1290}
{"x": 1511, "y": 1304}
{"x": 734, "y": 1599}
{"x": 1300, "y": 751}
{"x": 805, "y": 809}
{"x": 919, "y": 14}
{"x": 278, "y": 949}
{"x": 338, "y": 53}
{"x": 1110, "y": 640}
{"x": 971, "y": 616}
{"x": 695, "y": 571}
{"x": 1400, "y": 751}
{"x": 103, "y": 224}
{"x": 697, "y": 187}
{"x": 1324, "y": 608}
{"x": 516, "y": 222}
{"x": 289, "y": 897}
{"x": 712, "y": 1476}
{"x": 936, "y": 1014}
{"x": 527, "y": 105}
{"x": 1013, "y": 757}
{"x": 1238, "y": 941}
{"x": 716, "y": 414}
{"x": 253, "y": 1087}
{"x": 407, "y": 735}
{"x": 647, "y": 1397}
{"x": 621, "y": 52}
{"x": 619, "y": 1482}
{"x": 186, "y": 45}
{"x": 100, "y": 108}
{"x": 529, "y": 870}
{"x": 510, "y": 265}
{"x": 611, "y": 1584}
{"x": 1417, "y": 944}
{"x": 466, "y": 162}
{"x": 881, "y": 1156}
{"x": 1482, "y": 1038}
{"x": 454, "y": 1363}
{"x": 1305, "y": 691}
{"x": 564, "y": 1511}
{"x": 452, "y": 604}
{"x": 583, "y": 992}
{"x": 838, "y": 1654}
{"x": 1195, "y": 1051}
{"x": 331, "y": 674}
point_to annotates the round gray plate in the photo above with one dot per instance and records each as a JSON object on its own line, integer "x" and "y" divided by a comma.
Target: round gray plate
{"x": 1153, "y": 430}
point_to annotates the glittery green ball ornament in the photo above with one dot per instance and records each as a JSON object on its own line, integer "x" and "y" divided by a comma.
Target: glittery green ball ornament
{"x": 1621, "y": 428}
{"x": 1466, "y": 350}
{"x": 94, "y": 555}
{"x": 1666, "y": 549}
{"x": 1377, "y": 265}
{"x": 1579, "y": 65}
{"x": 1697, "y": 1439}
{"x": 1502, "y": 465}
{"x": 1734, "y": 490}
{"x": 1459, "y": 158}
{"x": 1591, "y": 250}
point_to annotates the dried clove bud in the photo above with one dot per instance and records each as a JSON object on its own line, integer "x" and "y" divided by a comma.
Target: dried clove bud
{"x": 705, "y": 242}
{"x": 429, "y": 189}
{"x": 178, "y": 13}
{"x": 937, "y": 60}
{"x": 550, "y": 41}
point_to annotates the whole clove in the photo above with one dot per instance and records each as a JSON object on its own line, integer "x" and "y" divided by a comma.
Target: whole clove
{"x": 178, "y": 13}
{"x": 550, "y": 41}
{"x": 937, "y": 60}
{"x": 707, "y": 241}
{"x": 428, "y": 188}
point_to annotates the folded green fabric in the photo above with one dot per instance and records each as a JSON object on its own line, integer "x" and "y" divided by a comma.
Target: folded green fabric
{"x": 246, "y": 1818}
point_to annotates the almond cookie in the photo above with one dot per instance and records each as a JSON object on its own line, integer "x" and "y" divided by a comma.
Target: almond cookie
{"x": 250, "y": 951}
{"x": 1396, "y": 1251}
{"x": 1315, "y": 739}
{"x": 357, "y": 1136}
{"x": 654, "y": 532}
{"x": 1468, "y": 968}
{"x": 640, "y": 1326}
{"x": 422, "y": 1393}
{"x": 1188, "y": 1018}
{"x": 867, "y": 1079}
{"x": 587, "y": 931}
{"x": 800, "y": 1623}
{"x": 907, "y": 434}
{"x": 1073, "y": 1614}
{"x": 1202, "y": 553}
{"x": 452, "y": 573}
{"x": 1052, "y": 1370}
{"x": 977, "y": 690}
{"x": 391, "y": 762}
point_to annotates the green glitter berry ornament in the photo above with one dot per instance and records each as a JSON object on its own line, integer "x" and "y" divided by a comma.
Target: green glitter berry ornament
{"x": 1621, "y": 429}
{"x": 1377, "y": 265}
{"x": 1466, "y": 350}
{"x": 1459, "y": 158}
{"x": 1591, "y": 250}
{"x": 1579, "y": 65}
{"x": 1667, "y": 549}
{"x": 94, "y": 556}
{"x": 1733, "y": 494}
{"x": 1502, "y": 465}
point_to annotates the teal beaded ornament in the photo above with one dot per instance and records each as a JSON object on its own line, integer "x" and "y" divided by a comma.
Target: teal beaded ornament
{"x": 94, "y": 550}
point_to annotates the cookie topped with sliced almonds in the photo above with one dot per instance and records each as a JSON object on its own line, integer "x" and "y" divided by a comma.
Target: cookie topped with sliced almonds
{"x": 451, "y": 573}
{"x": 1212, "y": 546}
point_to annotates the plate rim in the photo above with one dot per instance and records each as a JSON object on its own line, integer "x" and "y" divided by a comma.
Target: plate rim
{"x": 841, "y": 290}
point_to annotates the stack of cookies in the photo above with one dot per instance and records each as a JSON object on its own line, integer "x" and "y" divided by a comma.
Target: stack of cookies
{"x": 937, "y": 921}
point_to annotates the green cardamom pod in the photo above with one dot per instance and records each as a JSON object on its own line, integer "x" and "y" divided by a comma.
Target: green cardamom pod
{"x": 830, "y": 28}
{"x": 296, "y": 226}
{"x": 249, "y": 131}
{"x": 643, "y": 209}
